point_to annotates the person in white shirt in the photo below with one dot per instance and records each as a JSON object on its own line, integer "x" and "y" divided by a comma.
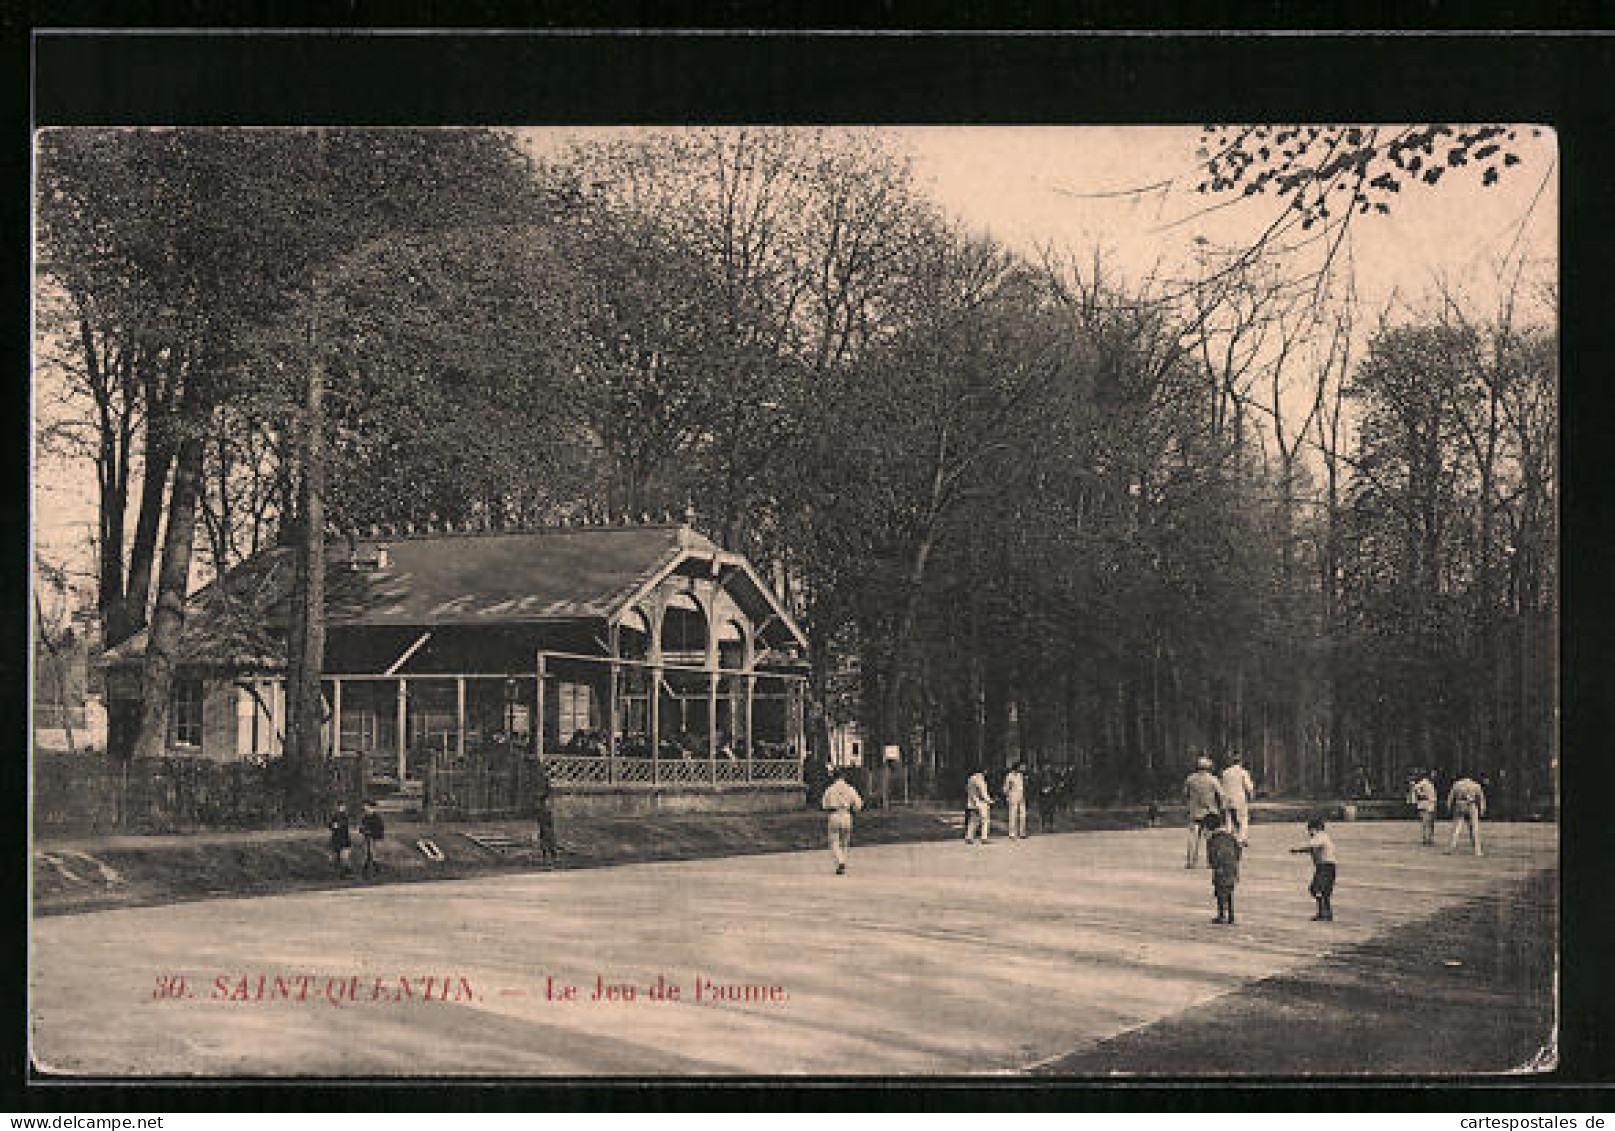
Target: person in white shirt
{"x": 1015, "y": 797}
{"x": 841, "y": 801}
{"x": 1423, "y": 797}
{"x": 1237, "y": 791}
{"x": 1322, "y": 851}
{"x": 1467, "y": 803}
{"x": 979, "y": 802}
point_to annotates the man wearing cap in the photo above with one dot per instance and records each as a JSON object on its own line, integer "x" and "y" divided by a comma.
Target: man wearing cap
{"x": 1237, "y": 791}
{"x": 1423, "y": 797}
{"x": 1205, "y": 798}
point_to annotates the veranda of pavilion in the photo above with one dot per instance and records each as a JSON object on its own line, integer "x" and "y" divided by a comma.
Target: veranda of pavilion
{"x": 691, "y": 677}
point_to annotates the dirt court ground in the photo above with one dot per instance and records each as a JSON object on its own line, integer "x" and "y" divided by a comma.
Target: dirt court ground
{"x": 1081, "y": 953}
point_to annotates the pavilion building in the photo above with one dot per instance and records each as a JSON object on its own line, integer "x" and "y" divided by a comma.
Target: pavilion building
{"x": 647, "y": 665}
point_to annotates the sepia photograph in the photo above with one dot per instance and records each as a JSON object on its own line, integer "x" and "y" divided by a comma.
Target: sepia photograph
{"x": 1054, "y": 602}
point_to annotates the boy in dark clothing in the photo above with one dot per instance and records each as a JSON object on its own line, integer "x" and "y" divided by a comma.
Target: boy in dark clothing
{"x": 1322, "y": 851}
{"x": 547, "y": 848}
{"x": 1222, "y": 853}
{"x": 372, "y": 829}
{"x": 341, "y": 839}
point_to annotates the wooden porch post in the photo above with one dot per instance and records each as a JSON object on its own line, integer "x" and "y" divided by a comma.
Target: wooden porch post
{"x": 751, "y": 689}
{"x": 654, "y": 705}
{"x": 614, "y": 638}
{"x": 538, "y": 714}
{"x": 336, "y": 718}
{"x": 403, "y": 700}
{"x": 798, "y": 717}
{"x": 459, "y": 705}
{"x": 712, "y": 725}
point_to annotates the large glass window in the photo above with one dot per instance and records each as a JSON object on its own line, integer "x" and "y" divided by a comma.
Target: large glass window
{"x": 498, "y": 714}
{"x": 186, "y": 713}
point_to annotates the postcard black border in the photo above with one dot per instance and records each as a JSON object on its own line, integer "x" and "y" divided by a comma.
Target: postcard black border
{"x": 604, "y": 77}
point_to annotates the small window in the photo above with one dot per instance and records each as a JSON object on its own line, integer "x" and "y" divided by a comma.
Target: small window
{"x": 187, "y": 712}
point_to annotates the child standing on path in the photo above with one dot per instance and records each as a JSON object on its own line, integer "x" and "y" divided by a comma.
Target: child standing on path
{"x": 341, "y": 839}
{"x": 548, "y": 849}
{"x": 1322, "y": 851}
{"x": 372, "y": 829}
{"x": 1223, "y": 851}
{"x": 842, "y": 801}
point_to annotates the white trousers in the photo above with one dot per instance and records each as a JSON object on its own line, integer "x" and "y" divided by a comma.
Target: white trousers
{"x": 1238, "y": 816}
{"x": 1017, "y": 816}
{"x": 980, "y": 823}
{"x": 840, "y": 829}
{"x": 1465, "y": 815}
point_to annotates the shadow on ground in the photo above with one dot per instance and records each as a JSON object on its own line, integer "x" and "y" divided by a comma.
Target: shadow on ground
{"x": 1468, "y": 990}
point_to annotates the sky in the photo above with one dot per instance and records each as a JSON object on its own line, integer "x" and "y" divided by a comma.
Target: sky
{"x": 1072, "y": 188}
{"x": 1068, "y": 186}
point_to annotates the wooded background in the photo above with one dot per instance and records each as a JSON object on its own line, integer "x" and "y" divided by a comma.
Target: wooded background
{"x": 1021, "y": 505}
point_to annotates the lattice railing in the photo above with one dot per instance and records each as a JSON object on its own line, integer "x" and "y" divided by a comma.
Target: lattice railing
{"x": 671, "y": 771}
{"x": 683, "y": 772}
{"x": 636, "y": 771}
{"x": 776, "y": 770}
{"x": 580, "y": 771}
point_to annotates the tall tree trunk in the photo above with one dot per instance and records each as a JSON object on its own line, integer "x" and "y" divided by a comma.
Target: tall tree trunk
{"x": 128, "y": 615}
{"x": 162, "y": 645}
{"x": 891, "y": 715}
{"x": 114, "y": 501}
{"x": 305, "y": 710}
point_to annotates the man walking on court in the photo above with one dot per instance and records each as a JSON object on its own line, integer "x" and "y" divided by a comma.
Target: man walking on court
{"x": 1467, "y": 802}
{"x": 1423, "y": 796}
{"x": 979, "y": 809}
{"x": 1237, "y": 791}
{"x": 1015, "y": 798}
{"x": 842, "y": 801}
{"x": 1204, "y": 797}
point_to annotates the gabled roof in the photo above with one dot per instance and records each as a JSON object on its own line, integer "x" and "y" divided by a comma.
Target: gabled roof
{"x": 505, "y": 577}
{"x": 226, "y": 623}
{"x": 562, "y": 573}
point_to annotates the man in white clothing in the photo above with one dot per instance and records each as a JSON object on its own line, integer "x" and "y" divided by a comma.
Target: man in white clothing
{"x": 1237, "y": 791}
{"x": 979, "y": 803}
{"x": 842, "y": 801}
{"x": 1422, "y": 795}
{"x": 1467, "y": 803}
{"x": 1015, "y": 797}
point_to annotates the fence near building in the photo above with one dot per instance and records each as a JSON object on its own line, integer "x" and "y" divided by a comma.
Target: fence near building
{"x": 79, "y": 794}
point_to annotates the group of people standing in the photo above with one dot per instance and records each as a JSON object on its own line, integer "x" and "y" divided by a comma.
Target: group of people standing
{"x": 840, "y": 800}
{"x": 1219, "y": 821}
{"x": 1466, "y": 802}
{"x": 979, "y": 805}
{"x": 1227, "y": 798}
{"x": 371, "y": 830}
